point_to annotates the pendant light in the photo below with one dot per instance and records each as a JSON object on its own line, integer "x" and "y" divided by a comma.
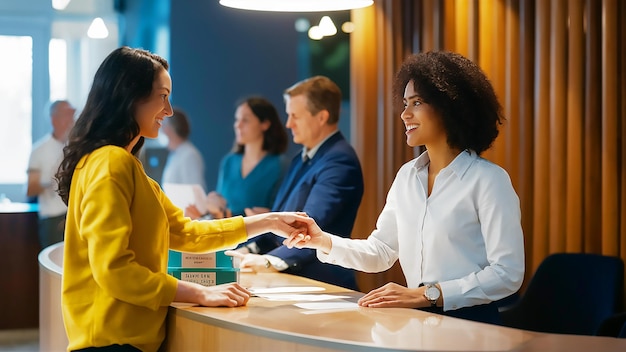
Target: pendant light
{"x": 297, "y": 5}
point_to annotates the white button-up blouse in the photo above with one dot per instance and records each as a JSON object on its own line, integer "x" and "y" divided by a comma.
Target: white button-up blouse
{"x": 466, "y": 235}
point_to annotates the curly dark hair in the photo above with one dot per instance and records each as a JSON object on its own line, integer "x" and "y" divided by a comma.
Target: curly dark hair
{"x": 459, "y": 91}
{"x": 124, "y": 79}
{"x": 275, "y": 137}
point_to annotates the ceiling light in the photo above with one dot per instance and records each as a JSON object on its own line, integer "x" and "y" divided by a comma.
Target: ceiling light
{"x": 327, "y": 26}
{"x": 347, "y": 27}
{"x": 315, "y": 33}
{"x": 60, "y": 4}
{"x": 97, "y": 29}
{"x": 297, "y": 5}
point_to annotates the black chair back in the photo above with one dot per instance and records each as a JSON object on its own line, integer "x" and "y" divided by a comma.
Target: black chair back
{"x": 570, "y": 293}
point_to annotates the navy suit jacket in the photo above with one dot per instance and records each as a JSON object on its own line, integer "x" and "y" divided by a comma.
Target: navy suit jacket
{"x": 329, "y": 188}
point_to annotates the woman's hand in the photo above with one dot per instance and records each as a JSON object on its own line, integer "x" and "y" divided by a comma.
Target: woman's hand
{"x": 284, "y": 224}
{"x": 192, "y": 212}
{"x": 255, "y": 262}
{"x": 392, "y": 295}
{"x": 226, "y": 295}
{"x": 315, "y": 238}
{"x": 229, "y": 295}
{"x": 256, "y": 210}
{"x": 216, "y": 205}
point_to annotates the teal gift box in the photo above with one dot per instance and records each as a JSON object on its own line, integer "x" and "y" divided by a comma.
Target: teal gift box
{"x": 205, "y": 276}
{"x": 199, "y": 260}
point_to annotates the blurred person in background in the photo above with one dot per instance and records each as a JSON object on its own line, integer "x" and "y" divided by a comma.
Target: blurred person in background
{"x": 185, "y": 164}
{"x": 44, "y": 161}
{"x": 249, "y": 176}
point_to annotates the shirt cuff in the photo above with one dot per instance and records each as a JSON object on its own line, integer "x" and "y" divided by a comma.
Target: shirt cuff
{"x": 276, "y": 262}
{"x": 253, "y": 247}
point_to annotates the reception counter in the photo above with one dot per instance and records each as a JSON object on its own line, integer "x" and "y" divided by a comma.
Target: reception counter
{"x": 19, "y": 246}
{"x": 281, "y": 325}
{"x": 321, "y": 317}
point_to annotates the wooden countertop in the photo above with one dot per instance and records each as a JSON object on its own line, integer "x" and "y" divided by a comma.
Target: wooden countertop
{"x": 280, "y": 325}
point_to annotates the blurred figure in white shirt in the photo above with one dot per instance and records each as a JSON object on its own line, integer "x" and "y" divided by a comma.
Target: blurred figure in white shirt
{"x": 44, "y": 161}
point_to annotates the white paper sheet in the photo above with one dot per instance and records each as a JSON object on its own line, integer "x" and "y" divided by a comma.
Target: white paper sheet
{"x": 327, "y": 305}
{"x": 300, "y": 298}
{"x": 183, "y": 195}
{"x": 285, "y": 289}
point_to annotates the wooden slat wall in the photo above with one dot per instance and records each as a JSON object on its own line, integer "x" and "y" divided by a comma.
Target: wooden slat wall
{"x": 558, "y": 68}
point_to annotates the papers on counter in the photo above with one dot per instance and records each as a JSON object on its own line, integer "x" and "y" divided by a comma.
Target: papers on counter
{"x": 183, "y": 195}
{"x": 305, "y": 297}
{"x": 285, "y": 289}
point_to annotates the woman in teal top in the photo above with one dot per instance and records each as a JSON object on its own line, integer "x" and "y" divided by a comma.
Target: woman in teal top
{"x": 257, "y": 189}
{"x": 250, "y": 174}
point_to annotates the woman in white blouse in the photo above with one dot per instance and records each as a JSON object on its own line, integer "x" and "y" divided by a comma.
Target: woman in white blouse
{"x": 451, "y": 217}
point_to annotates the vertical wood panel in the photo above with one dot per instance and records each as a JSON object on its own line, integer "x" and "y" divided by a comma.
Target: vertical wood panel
{"x": 364, "y": 115}
{"x": 511, "y": 101}
{"x": 486, "y": 47}
{"x": 364, "y": 83}
{"x": 610, "y": 73}
{"x": 498, "y": 76}
{"x": 449, "y": 23}
{"x": 526, "y": 151}
{"x": 542, "y": 137}
{"x": 461, "y": 24}
{"x": 575, "y": 142}
{"x": 593, "y": 131}
{"x": 558, "y": 127}
{"x": 622, "y": 119}
{"x": 472, "y": 30}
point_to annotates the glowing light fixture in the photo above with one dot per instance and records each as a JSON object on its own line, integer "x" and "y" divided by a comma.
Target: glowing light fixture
{"x": 297, "y": 5}
{"x": 60, "y": 4}
{"x": 347, "y": 27}
{"x": 97, "y": 29}
{"x": 327, "y": 26}
{"x": 315, "y": 33}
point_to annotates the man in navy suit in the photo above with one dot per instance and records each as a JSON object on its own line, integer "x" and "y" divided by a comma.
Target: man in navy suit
{"x": 324, "y": 180}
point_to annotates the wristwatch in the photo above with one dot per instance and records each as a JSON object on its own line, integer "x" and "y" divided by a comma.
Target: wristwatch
{"x": 432, "y": 294}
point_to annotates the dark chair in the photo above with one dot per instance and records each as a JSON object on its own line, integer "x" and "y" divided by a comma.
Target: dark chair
{"x": 613, "y": 326}
{"x": 570, "y": 293}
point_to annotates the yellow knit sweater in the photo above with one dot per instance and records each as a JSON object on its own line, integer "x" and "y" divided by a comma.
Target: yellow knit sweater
{"x": 119, "y": 227}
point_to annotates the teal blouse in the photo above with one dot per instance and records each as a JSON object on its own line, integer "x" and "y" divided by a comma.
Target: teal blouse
{"x": 257, "y": 189}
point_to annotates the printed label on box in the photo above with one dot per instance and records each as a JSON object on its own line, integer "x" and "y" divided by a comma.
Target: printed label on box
{"x": 193, "y": 260}
{"x": 202, "y": 278}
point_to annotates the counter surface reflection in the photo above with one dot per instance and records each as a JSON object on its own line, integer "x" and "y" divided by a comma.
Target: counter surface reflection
{"x": 301, "y": 322}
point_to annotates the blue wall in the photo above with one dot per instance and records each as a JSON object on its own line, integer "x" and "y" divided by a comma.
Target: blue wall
{"x": 219, "y": 55}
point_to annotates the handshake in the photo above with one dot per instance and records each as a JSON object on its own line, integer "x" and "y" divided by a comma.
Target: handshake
{"x": 298, "y": 229}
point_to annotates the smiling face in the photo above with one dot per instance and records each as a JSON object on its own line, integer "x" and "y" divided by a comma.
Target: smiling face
{"x": 423, "y": 124}
{"x": 151, "y": 112}
{"x": 248, "y": 128}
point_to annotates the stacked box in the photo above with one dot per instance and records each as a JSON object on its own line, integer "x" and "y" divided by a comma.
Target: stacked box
{"x": 199, "y": 260}
{"x": 205, "y": 276}
{"x": 208, "y": 269}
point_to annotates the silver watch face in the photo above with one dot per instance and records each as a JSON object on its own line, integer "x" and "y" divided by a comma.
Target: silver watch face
{"x": 432, "y": 293}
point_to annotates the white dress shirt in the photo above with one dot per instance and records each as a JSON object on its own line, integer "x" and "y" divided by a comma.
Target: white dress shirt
{"x": 466, "y": 235}
{"x": 184, "y": 165}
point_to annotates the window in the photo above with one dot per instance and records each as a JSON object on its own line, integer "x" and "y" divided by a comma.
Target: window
{"x": 58, "y": 69}
{"x": 16, "y": 100}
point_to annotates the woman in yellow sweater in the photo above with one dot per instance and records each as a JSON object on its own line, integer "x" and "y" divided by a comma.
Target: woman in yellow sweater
{"x": 116, "y": 289}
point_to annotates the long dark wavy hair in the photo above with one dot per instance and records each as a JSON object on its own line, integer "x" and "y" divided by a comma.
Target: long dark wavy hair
{"x": 124, "y": 79}
{"x": 275, "y": 137}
